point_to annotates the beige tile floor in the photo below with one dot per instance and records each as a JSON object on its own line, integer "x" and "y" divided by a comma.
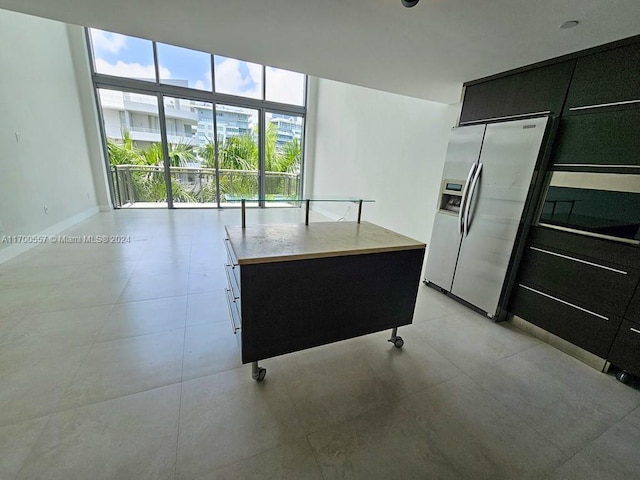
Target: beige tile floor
{"x": 118, "y": 362}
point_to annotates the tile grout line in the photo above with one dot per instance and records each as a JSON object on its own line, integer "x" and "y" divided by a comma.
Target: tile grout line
{"x": 25, "y": 462}
{"x": 528, "y": 424}
{"x": 590, "y": 443}
{"x": 315, "y": 458}
{"x": 55, "y": 409}
{"x": 184, "y": 352}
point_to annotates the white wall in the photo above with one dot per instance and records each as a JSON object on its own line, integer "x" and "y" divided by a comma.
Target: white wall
{"x": 86, "y": 94}
{"x": 382, "y": 146}
{"x": 48, "y": 165}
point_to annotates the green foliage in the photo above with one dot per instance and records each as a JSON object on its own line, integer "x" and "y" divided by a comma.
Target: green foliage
{"x": 149, "y": 186}
{"x": 181, "y": 154}
{"x": 181, "y": 194}
{"x": 291, "y": 156}
{"x": 207, "y": 153}
{"x": 237, "y": 153}
{"x": 153, "y": 154}
{"x": 124, "y": 152}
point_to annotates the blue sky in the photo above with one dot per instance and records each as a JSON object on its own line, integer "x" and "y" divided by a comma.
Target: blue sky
{"x": 125, "y": 56}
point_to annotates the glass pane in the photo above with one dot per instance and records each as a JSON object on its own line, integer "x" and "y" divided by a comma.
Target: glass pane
{"x": 284, "y": 86}
{"x": 237, "y": 77}
{"x": 134, "y": 146}
{"x": 122, "y": 56}
{"x": 191, "y": 151}
{"x": 614, "y": 214}
{"x": 184, "y": 67}
{"x": 283, "y": 156}
{"x": 237, "y": 135}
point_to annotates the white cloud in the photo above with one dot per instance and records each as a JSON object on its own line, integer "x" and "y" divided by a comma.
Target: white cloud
{"x": 130, "y": 70}
{"x": 285, "y": 86}
{"x": 107, "y": 41}
{"x": 229, "y": 79}
{"x": 206, "y": 85}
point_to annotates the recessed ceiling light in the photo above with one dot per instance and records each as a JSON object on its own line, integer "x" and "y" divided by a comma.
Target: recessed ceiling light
{"x": 569, "y": 24}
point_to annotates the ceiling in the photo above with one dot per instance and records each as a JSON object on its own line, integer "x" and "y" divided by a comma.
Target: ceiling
{"x": 427, "y": 51}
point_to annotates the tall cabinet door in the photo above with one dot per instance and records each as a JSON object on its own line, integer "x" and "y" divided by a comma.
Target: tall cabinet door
{"x": 463, "y": 151}
{"x": 508, "y": 158}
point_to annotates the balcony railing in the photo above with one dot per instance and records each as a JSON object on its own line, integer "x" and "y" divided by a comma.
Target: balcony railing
{"x": 136, "y": 184}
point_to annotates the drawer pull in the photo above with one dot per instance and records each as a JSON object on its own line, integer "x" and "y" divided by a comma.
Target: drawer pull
{"x": 635, "y": 330}
{"x": 233, "y": 312}
{"x": 233, "y": 283}
{"x": 230, "y": 254}
{"x": 578, "y": 260}
{"x": 592, "y": 165}
{"x": 521, "y": 115}
{"x": 566, "y": 303}
{"x": 600, "y": 105}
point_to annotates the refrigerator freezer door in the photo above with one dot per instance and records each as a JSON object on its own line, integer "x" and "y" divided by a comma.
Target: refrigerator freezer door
{"x": 463, "y": 151}
{"x": 443, "y": 251}
{"x": 509, "y": 156}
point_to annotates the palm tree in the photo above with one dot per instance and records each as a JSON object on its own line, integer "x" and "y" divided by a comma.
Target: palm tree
{"x": 181, "y": 154}
{"x": 207, "y": 153}
{"x": 271, "y": 153}
{"x": 239, "y": 153}
{"x": 291, "y": 155}
{"x": 153, "y": 154}
{"x": 124, "y": 152}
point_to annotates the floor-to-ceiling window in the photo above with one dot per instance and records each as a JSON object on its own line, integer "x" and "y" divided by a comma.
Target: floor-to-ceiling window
{"x": 184, "y": 128}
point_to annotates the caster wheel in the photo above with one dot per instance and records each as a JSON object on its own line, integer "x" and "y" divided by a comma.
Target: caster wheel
{"x": 398, "y": 342}
{"x": 623, "y": 377}
{"x": 262, "y": 372}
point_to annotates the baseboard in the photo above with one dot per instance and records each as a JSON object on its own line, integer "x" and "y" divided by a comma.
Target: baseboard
{"x": 561, "y": 344}
{"x": 13, "y": 251}
{"x": 325, "y": 213}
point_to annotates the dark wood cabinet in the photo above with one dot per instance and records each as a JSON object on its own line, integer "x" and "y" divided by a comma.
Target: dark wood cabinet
{"x": 291, "y": 306}
{"x": 625, "y": 351}
{"x": 597, "y": 286}
{"x": 539, "y": 90}
{"x": 633, "y": 312}
{"x": 576, "y": 287}
{"x": 293, "y": 287}
{"x": 606, "y": 252}
{"x": 598, "y": 138}
{"x": 607, "y": 77}
{"x": 588, "y": 329}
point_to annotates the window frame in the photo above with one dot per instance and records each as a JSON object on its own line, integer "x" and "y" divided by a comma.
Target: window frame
{"x": 162, "y": 90}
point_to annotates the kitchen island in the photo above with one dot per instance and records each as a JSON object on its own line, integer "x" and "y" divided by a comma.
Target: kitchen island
{"x": 293, "y": 287}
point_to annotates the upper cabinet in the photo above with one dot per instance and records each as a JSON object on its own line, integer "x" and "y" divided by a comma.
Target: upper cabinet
{"x": 600, "y": 138}
{"x": 540, "y": 90}
{"x": 602, "y": 79}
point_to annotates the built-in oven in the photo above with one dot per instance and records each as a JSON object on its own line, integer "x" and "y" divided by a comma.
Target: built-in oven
{"x": 604, "y": 205}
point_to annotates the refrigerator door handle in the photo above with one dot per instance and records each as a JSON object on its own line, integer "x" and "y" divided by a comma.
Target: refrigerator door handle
{"x": 467, "y": 209}
{"x": 463, "y": 202}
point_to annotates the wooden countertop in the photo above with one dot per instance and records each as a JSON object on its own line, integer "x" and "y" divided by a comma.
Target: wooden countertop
{"x": 285, "y": 242}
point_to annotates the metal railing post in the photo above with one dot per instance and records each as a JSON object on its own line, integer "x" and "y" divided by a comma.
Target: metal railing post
{"x": 130, "y": 191}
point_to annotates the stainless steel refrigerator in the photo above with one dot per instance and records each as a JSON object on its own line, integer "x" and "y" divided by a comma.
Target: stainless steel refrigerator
{"x": 487, "y": 179}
